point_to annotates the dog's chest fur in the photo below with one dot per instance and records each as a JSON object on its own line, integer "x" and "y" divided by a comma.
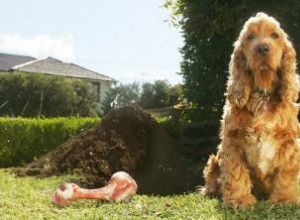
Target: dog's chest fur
{"x": 267, "y": 152}
{"x": 261, "y": 155}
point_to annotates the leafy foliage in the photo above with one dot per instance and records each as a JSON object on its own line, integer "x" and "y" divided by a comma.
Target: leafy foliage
{"x": 21, "y": 140}
{"x": 155, "y": 95}
{"x": 151, "y": 95}
{"x": 119, "y": 96}
{"x": 175, "y": 94}
{"x": 40, "y": 95}
{"x": 209, "y": 28}
{"x": 85, "y": 103}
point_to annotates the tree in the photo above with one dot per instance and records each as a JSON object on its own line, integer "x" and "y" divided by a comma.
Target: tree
{"x": 85, "y": 103}
{"x": 175, "y": 94}
{"x": 155, "y": 95}
{"x": 121, "y": 95}
{"x": 151, "y": 95}
{"x": 33, "y": 94}
{"x": 147, "y": 99}
{"x": 209, "y": 28}
{"x": 58, "y": 99}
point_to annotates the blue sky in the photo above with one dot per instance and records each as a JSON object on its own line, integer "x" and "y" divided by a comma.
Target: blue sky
{"x": 125, "y": 39}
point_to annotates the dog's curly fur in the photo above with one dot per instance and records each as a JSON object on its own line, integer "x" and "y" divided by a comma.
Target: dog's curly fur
{"x": 258, "y": 150}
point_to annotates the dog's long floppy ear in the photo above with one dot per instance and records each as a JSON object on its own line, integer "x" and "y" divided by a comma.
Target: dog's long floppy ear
{"x": 238, "y": 85}
{"x": 289, "y": 79}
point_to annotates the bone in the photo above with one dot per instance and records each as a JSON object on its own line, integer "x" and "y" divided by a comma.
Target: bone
{"x": 121, "y": 187}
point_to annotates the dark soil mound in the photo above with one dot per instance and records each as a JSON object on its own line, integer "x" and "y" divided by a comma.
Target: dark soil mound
{"x": 127, "y": 139}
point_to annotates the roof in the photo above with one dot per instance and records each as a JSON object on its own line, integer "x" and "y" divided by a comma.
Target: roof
{"x": 56, "y": 67}
{"x": 8, "y": 61}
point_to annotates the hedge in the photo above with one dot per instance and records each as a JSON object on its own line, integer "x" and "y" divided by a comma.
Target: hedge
{"x": 23, "y": 139}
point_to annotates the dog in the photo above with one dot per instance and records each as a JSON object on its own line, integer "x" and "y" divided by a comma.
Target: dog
{"x": 259, "y": 127}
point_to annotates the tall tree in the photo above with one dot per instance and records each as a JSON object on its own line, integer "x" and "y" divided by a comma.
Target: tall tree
{"x": 155, "y": 95}
{"x": 121, "y": 95}
{"x": 147, "y": 99}
{"x": 33, "y": 94}
{"x": 175, "y": 94}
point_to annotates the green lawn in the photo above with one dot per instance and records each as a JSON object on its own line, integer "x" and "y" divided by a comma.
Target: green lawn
{"x": 29, "y": 198}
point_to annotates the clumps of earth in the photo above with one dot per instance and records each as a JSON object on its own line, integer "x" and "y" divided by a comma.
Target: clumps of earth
{"x": 127, "y": 139}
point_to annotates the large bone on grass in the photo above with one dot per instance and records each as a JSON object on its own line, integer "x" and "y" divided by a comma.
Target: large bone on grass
{"x": 121, "y": 187}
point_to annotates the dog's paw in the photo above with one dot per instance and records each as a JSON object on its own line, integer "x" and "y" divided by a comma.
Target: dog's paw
{"x": 202, "y": 190}
{"x": 283, "y": 198}
{"x": 243, "y": 201}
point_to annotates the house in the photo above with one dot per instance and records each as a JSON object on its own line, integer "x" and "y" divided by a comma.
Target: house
{"x": 8, "y": 61}
{"x": 51, "y": 66}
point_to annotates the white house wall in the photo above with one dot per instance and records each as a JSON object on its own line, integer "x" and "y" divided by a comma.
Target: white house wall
{"x": 104, "y": 87}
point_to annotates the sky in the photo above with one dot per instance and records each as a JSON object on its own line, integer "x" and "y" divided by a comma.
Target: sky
{"x": 129, "y": 40}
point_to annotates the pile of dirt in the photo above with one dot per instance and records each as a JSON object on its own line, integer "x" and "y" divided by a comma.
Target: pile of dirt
{"x": 126, "y": 139}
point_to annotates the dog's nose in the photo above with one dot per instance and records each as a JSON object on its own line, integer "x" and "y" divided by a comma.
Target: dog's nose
{"x": 263, "y": 49}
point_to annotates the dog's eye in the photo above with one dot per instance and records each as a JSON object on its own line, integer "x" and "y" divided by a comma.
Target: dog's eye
{"x": 274, "y": 35}
{"x": 250, "y": 37}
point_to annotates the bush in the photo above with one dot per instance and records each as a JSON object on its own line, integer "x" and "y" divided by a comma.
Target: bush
{"x": 119, "y": 96}
{"x": 158, "y": 94}
{"x": 22, "y": 140}
{"x": 34, "y": 94}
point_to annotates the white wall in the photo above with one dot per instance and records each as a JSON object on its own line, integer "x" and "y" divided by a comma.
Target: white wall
{"x": 104, "y": 87}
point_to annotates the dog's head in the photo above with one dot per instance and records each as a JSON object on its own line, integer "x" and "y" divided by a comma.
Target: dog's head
{"x": 266, "y": 50}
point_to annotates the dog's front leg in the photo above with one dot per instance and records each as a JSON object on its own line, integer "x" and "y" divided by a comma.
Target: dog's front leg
{"x": 235, "y": 179}
{"x": 285, "y": 182}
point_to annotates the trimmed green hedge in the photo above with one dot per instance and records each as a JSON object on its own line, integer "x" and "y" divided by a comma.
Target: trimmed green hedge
{"x": 23, "y": 139}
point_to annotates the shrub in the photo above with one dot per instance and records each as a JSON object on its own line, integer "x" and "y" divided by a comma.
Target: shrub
{"x": 34, "y": 94}
{"x": 119, "y": 96}
{"x": 22, "y": 140}
{"x": 158, "y": 94}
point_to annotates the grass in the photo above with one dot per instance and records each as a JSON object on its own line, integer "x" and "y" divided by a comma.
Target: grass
{"x": 29, "y": 198}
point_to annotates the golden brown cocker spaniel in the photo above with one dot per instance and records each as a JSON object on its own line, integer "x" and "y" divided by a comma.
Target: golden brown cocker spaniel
{"x": 258, "y": 150}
